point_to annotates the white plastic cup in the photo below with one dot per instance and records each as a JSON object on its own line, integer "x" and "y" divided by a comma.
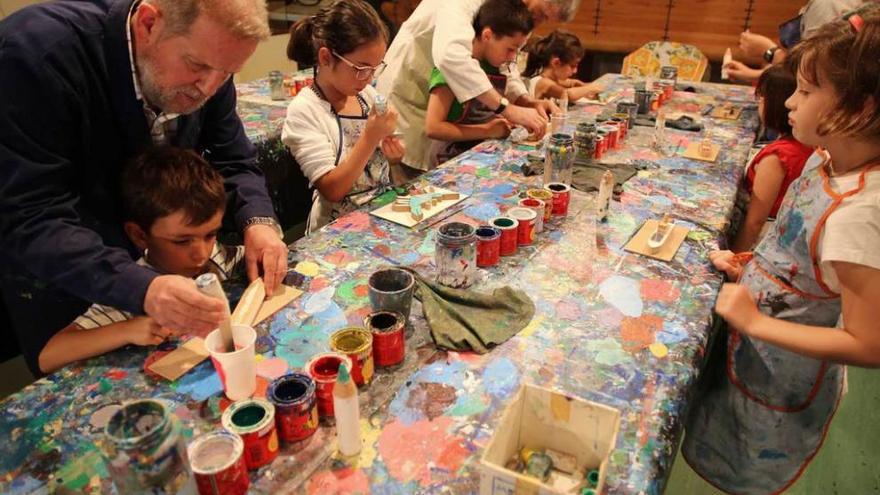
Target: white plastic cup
{"x": 237, "y": 369}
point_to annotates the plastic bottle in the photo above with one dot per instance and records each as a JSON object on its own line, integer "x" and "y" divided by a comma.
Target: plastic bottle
{"x": 347, "y": 411}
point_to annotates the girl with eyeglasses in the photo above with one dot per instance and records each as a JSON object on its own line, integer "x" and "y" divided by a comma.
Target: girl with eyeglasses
{"x": 342, "y": 144}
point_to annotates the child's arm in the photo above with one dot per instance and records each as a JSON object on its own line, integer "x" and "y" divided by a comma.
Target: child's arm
{"x": 857, "y": 343}
{"x": 769, "y": 174}
{"x": 548, "y": 88}
{"x": 335, "y": 184}
{"x": 436, "y": 126}
{"x": 75, "y": 343}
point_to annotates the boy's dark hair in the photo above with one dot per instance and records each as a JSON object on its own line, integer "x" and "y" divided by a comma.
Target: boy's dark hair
{"x": 559, "y": 43}
{"x": 504, "y": 18}
{"x": 776, "y": 85}
{"x": 844, "y": 54}
{"x": 164, "y": 180}
{"x": 342, "y": 27}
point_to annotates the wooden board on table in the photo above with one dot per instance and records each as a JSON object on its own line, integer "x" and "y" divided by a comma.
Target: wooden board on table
{"x": 725, "y": 112}
{"x": 283, "y": 296}
{"x": 693, "y": 152}
{"x": 406, "y": 219}
{"x": 639, "y": 243}
{"x": 177, "y": 362}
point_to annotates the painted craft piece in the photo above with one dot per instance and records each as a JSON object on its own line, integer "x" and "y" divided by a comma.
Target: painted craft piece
{"x": 658, "y": 241}
{"x": 726, "y": 111}
{"x": 414, "y": 208}
{"x": 177, "y": 362}
{"x": 703, "y": 151}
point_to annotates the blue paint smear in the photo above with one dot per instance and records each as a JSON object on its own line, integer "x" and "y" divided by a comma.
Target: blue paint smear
{"x": 501, "y": 378}
{"x": 200, "y": 383}
{"x": 298, "y": 345}
{"x": 622, "y": 293}
{"x": 771, "y": 454}
{"x": 501, "y": 190}
{"x": 27, "y": 485}
{"x": 672, "y": 333}
{"x": 408, "y": 258}
{"x": 483, "y": 211}
{"x": 792, "y": 229}
{"x": 382, "y": 483}
{"x": 451, "y": 374}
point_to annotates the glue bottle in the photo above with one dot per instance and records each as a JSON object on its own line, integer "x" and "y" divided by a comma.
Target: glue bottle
{"x": 603, "y": 201}
{"x": 347, "y": 412}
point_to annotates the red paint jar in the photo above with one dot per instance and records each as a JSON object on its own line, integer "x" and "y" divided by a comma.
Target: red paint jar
{"x": 488, "y": 246}
{"x": 611, "y": 134}
{"x": 561, "y": 197}
{"x": 546, "y": 197}
{"x": 601, "y": 145}
{"x": 254, "y": 421}
{"x": 509, "y": 228}
{"x": 525, "y": 232}
{"x": 389, "y": 341}
{"x": 538, "y": 206}
{"x": 296, "y": 406}
{"x": 217, "y": 462}
{"x": 357, "y": 344}
{"x": 323, "y": 368}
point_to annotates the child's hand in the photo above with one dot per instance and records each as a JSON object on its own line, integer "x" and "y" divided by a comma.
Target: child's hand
{"x": 145, "y": 331}
{"x": 381, "y": 126}
{"x": 741, "y": 72}
{"x": 725, "y": 262}
{"x": 498, "y": 128}
{"x": 393, "y": 149}
{"x": 737, "y": 306}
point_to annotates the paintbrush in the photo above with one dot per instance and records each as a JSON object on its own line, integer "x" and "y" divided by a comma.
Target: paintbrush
{"x": 209, "y": 285}
{"x": 678, "y": 148}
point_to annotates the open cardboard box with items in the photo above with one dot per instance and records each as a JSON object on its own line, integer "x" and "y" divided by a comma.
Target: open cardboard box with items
{"x": 577, "y": 435}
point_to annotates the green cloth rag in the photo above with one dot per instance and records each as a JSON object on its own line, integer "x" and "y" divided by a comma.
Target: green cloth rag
{"x": 466, "y": 320}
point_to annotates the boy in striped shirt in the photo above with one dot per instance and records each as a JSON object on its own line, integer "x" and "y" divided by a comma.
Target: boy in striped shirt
{"x": 172, "y": 203}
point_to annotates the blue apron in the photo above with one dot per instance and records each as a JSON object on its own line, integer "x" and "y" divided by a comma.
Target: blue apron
{"x": 756, "y": 429}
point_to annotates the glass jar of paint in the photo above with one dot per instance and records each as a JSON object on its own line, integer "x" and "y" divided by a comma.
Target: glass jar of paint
{"x": 145, "y": 451}
{"x": 276, "y": 85}
{"x": 585, "y": 140}
{"x": 455, "y": 255}
{"x": 559, "y": 160}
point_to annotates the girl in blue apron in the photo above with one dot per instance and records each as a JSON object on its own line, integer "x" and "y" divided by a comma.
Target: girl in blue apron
{"x": 803, "y": 304}
{"x": 336, "y": 129}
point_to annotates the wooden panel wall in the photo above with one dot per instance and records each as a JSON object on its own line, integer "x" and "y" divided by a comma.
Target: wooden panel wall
{"x": 712, "y": 25}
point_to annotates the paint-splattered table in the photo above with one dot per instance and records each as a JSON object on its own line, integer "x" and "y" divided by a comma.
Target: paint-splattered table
{"x": 610, "y": 326}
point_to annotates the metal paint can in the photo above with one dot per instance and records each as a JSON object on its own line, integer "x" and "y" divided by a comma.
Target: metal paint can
{"x": 357, "y": 344}
{"x": 145, "y": 451}
{"x": 643, "y": 100}
{"x": 612, "y": 132}
{"x": 296, "y": 406}
{"x": 217, "y": 461}
{"x": 488, "y": 246}
{"x": 509, "y": 231}
{"x": 561, "y": 197}
{"x": 601, "y": 144}
{"x": 525, "y": 232}
{"x": 254, "y": 421}
{"x": 389, "y": 340}
{"x": 538, "y": 206}
{"x": 323, "y": 368}
{"x": 546, "y": 197}
{"x": 623, "y": 120}
{"x": 455, "y": 255}
{"x": 630, "y": 108}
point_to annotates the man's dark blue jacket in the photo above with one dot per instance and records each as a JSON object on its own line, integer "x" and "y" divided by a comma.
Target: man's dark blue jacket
{"x": 69, "y": 120}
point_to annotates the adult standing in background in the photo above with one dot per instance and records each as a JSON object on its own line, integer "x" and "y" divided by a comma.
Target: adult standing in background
{"x": 440, "y": 33}
{"x": 86, "y": 86}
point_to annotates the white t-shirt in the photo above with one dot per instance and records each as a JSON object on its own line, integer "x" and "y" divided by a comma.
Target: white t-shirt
{"x": 817, "y": 13}
{"x": 318, "y": 142}
{"x": 852, "y": 231}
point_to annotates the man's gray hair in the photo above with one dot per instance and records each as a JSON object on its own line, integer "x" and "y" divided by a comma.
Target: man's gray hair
{"x": 567, "y": 9}
{"x": 246, "y": 19}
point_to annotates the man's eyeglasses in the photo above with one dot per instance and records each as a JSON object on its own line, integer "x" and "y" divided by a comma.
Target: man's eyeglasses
{"x": 361, "y": 73}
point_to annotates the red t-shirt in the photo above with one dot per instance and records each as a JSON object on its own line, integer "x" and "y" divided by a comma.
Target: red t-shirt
{"x": 792, "y": 153}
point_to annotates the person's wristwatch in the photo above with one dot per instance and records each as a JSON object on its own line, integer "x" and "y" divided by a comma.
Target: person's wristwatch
{"x": 768, "y": 55}
{"x": 502, "y": 106}
{"x": 264, "y": 221}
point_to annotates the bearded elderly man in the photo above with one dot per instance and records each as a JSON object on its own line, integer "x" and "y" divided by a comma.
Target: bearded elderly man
{"x": 87, "y": 85}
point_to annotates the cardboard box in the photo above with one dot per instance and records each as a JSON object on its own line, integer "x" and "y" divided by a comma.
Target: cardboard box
{"x": 539, "y": 419}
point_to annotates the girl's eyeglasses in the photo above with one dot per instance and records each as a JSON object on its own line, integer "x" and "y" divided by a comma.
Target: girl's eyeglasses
{"x": 361, "y": 73}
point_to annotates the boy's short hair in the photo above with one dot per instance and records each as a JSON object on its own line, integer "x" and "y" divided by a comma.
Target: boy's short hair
{"x": 776, "y": 85}
{"x": 164, "y": 180}
{"x": 504, "y": 18}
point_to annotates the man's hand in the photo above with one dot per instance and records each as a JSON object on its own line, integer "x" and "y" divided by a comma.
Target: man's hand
{"x": 754, "y": 45}
{"x": 174, "y": 302}
{"x": 530, "y": 118}
{"x": 264, "y": 249}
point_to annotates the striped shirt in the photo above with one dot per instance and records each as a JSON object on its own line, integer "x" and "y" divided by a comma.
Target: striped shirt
{"x": 225, "y": 261}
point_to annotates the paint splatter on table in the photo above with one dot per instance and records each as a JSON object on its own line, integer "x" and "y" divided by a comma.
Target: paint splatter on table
{"x": 610, "y": 326}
